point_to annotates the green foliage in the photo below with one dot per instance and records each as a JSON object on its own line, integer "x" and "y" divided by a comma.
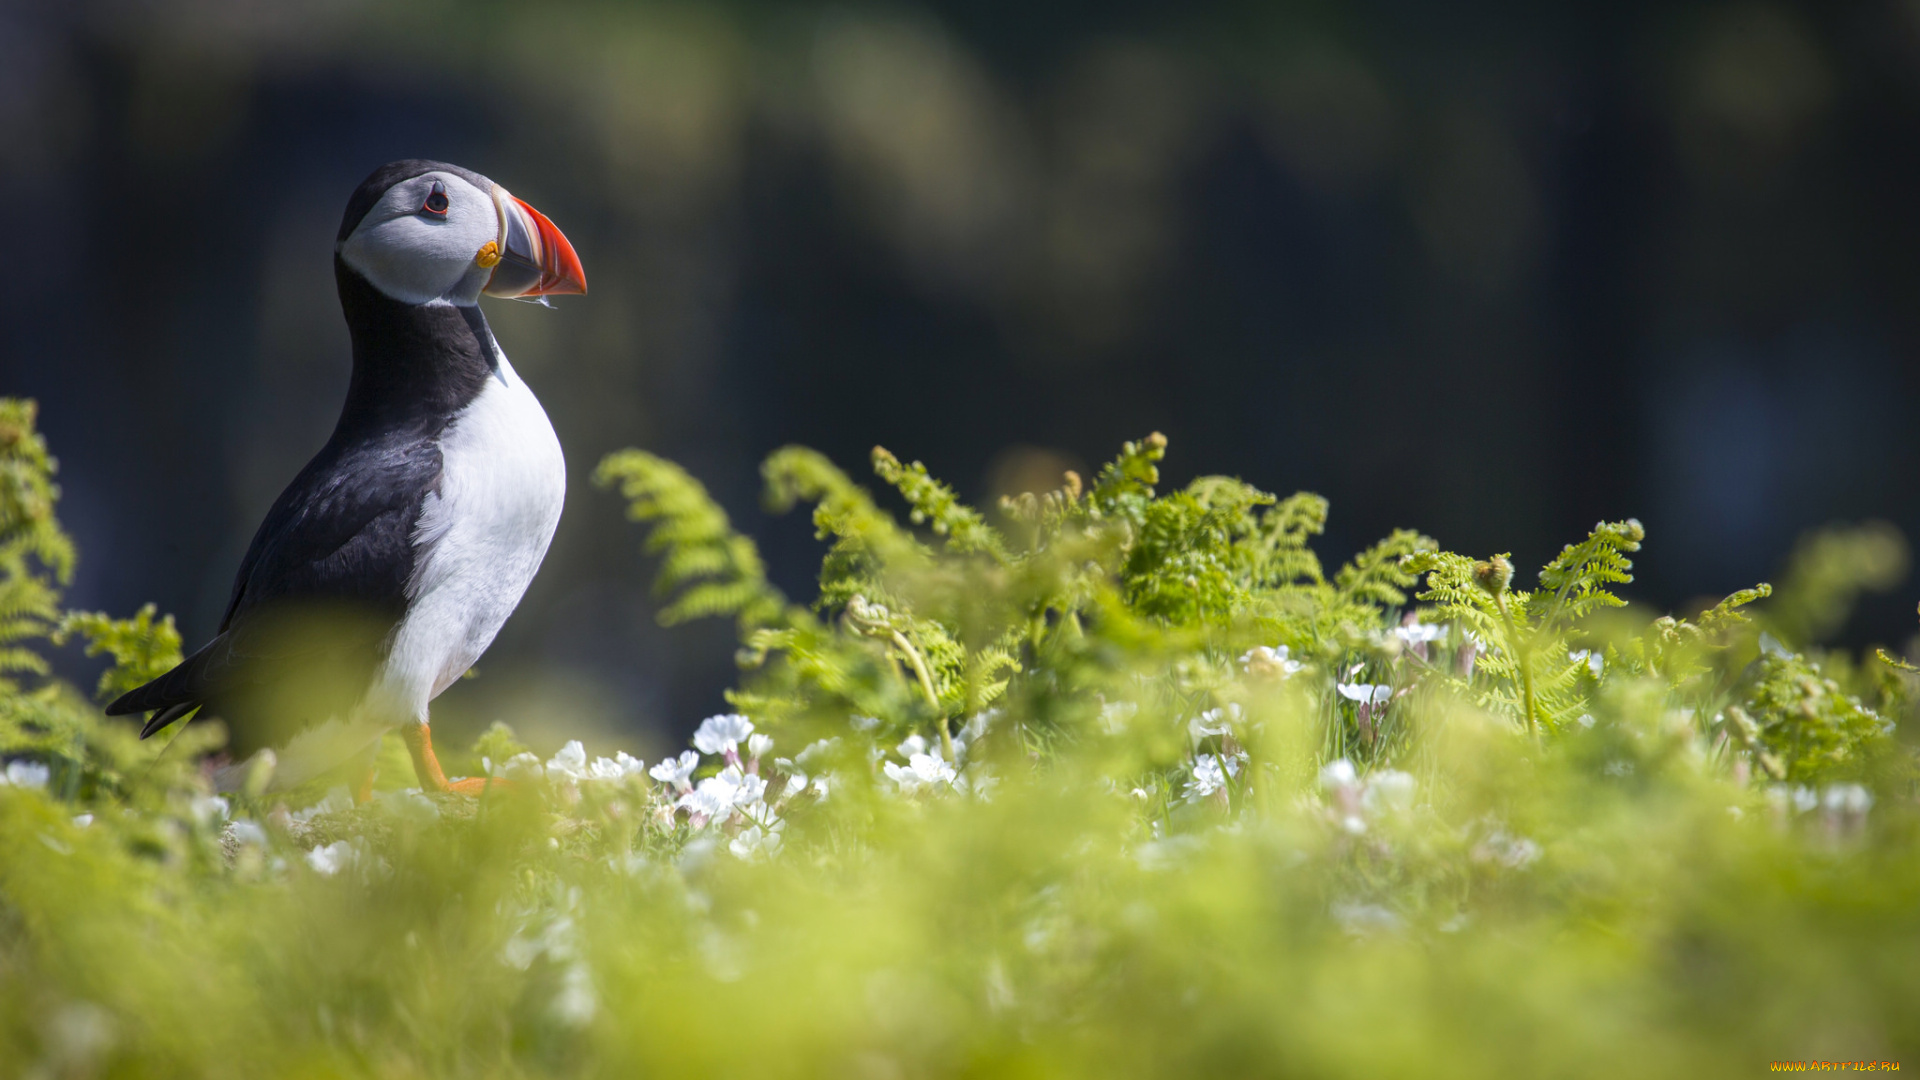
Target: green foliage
{"x": 36, "y": 555}
{"x": 51, "y": 724}
{"x": 1114, "y": 781}
{"x": 1181, "y": 566}
{"x": 1686, "y": 653}
{"x": 1529, "y": 671}
{"x": 1808, "y": 728}
{"x": 715, "y": 570}
{"x": 935, "y": 505}
{"x": 143, "y": 647}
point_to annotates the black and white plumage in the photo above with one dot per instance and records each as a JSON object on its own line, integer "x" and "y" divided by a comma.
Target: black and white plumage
{"x": 390, "y": 562}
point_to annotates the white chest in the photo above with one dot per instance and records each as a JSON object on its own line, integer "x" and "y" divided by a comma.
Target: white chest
{"x": 480, "y": 538}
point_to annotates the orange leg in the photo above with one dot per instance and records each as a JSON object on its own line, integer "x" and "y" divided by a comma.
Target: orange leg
{"x": 427, "y": 767}
{"x": 363, "y": 785}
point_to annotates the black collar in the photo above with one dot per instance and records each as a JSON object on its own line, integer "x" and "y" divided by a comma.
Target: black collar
{"x": 414, "y": 365}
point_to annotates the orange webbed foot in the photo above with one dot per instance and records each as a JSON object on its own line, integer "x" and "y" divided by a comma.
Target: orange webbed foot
{"x": 476, "y": 786}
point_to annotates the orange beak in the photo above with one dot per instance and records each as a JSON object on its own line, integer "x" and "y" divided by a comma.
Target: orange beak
{"x": 535, "y": 258}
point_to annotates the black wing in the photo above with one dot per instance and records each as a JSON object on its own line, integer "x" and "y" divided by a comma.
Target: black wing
{"x": 319, "y": 591}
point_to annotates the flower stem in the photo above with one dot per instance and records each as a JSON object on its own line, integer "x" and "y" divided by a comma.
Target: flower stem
{"x": 926, "y": 684}
{"x": 1523, "y": 656}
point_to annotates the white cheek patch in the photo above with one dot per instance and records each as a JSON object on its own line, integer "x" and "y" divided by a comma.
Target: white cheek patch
{"x": 416, "y": 258}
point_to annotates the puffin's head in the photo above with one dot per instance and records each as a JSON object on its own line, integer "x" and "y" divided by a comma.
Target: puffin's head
{"x": 421, "y": 231}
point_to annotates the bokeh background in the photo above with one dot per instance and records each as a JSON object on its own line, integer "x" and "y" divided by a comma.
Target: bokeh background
{"x": 1491, "y": 270}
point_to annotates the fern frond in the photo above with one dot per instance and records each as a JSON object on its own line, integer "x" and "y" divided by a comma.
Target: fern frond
{"x": 843, "y": 509}
{"x": 1574, "y": 583}
{"x": 1185, "y": 563}
{"x": 1381, "y": 574}
{"x": 28, "y": 494}
{"x": 1281, "y": 553}
{"x": 143, "y": 647}
{"x": 1727, "y": 614}
{"x": 1128, "y": 481}
{"x": 719, "y": 569}
{"x": 937, "y": 507}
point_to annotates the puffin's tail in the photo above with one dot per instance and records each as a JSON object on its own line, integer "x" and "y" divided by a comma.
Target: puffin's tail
{"x": 169, "y": 697}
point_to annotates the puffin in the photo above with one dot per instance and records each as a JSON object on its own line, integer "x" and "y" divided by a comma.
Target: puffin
{"x": 385, "y": 569}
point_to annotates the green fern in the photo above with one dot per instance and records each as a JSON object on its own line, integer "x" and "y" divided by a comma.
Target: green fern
{"x": 1528, "y": 670}
{"x": 36, "y": 555}
{"x": 143, "y": 647}
{"x": 715, "y": 570}
{"x": 1574, "y": 584}
{"x": 935, "y": 505}
{"x": 1809, "y": 728}
{"x": 1184, "y": 565}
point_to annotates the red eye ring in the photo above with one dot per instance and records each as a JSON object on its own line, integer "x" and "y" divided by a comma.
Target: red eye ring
{"x": 436, "y": 203}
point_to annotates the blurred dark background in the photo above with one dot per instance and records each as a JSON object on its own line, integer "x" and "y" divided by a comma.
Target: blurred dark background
{"x": 1491, "y": 270}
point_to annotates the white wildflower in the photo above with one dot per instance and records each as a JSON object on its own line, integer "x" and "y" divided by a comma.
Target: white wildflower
{"x": 1214, "y": 721}
{"x": 1387, "y": 791}
{"x": 677, "y": 771}
{"x": 970, "y": 732}
{"x": 931, "y": 769}
{"x": 722, "y": 734}
{"x": 207, "y": 809}
{"x": 1595, "y": 662}
{"x": 759, "y": 746}
{"x": 576, "y": 1003}
{"x": 761, "y": 814}
{"x": 1419, "y": 633}
{"x": 978, "y": 724}
{"x": 1208, "y": 777}
{"x": 755, "y": 842}
{"x": 81, "y": 821}
{"x": 247, "y": 832}
{"x": 333, "y": 858}
{"x": 26, "y": 774}
{"x": 1342, "y": 785}
{"x": 796, "y": 783}
{"x": 921, "y": 770}
{"x": 1847, "y": 799}
{"x": 714, "y": 797}
{"x": 911, "y": 745}
{"x": 1275, "y": 660}
{"x": 1337, "y": 774}
{"x": 749, "y": 789}
{"x": 818, "y": 752}
{"x": 411, "y": 805}
{"x": 570, "y": 762}
{"x": 618, "y": 767}
{"x": 522, "y": 766}
{"x": 864, "y": 723}
{"x": 981, "y": 782}
{"x": 1365, "y": 694}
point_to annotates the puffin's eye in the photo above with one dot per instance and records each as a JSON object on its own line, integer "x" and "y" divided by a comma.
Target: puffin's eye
{"x": 436, "y": 200}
